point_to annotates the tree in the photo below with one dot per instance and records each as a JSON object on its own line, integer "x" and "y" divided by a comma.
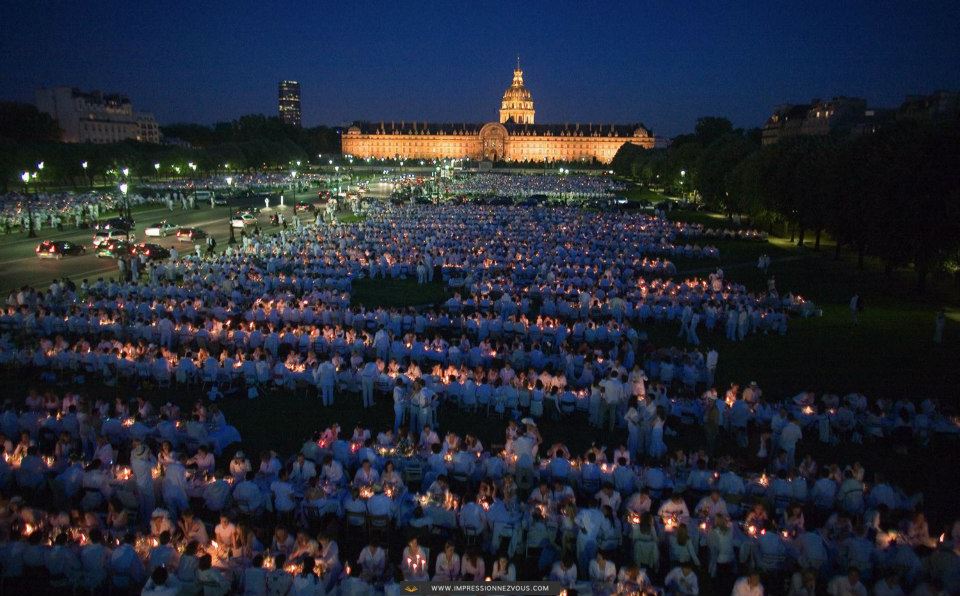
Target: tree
{"x": 710, "y": 128}
{"x": 714, "y": 167}
{"x": 23, "y": 123}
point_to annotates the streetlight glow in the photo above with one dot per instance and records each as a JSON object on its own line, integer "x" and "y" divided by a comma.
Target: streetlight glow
{"x": 156, "y": 167}
{"x": 84, "y": 165}
{"x": 40, "y": 166}
{"x": 126, "y": 171}
{"x": 25, "y": 177}
{"x": 123, "y": 188}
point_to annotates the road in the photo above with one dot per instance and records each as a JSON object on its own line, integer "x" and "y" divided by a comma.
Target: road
{"x": 20, "y": 266}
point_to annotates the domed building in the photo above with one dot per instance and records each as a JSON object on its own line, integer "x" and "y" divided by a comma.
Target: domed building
{"x": 514, "y": 138}
{"x": 517, "y": 104}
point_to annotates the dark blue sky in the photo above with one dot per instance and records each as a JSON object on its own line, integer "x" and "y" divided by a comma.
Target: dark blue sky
{"x": 662, "y": 63}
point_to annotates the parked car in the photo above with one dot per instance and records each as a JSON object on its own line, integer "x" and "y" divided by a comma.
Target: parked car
{"x": 49, "y": 249}
{"x": 190, "y": 234}
{"x": 154, "y": 252}
{"x": 160, "y": 230}
{"x": 115, "y": 223}
{"x": 111, "y": 234}
{"x": 114, "y": 249}
{"x": 243, "y": 220}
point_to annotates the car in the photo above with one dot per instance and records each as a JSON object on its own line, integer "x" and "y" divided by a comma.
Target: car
{"x": 190, "y": 234}
{"x": 49, "y": 249}
{"x": 160, "y": 230}
{"x": 111, "y": 234}
{"x": 303, "y": 206}
{"x": 114, "y": 249}
{"x": 243, "y": 220}
{"x": 115, "y": 223}
{"x": 154, "y": 252}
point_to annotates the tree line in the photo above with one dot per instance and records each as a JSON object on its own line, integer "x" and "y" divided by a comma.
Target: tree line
{"x": 249, "y": 143}
{"x": 893, "y": 193}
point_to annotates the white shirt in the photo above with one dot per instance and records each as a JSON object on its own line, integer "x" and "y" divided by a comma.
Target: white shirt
{"x": 742, "y": 588}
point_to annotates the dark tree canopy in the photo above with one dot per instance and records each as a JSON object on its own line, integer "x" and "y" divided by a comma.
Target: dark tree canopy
{"x": 22, "y": 123}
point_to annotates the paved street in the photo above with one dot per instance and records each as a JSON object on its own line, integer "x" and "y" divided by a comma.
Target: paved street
{"x": 19, "y": 264}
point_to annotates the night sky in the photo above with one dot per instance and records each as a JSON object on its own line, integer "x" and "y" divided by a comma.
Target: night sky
{"x": 661, "y": 63}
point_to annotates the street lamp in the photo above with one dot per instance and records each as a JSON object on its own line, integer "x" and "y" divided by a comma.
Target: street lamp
{"x": 26, "y": 179}
{"x": 40, "y": 166}
{"x": 84, "y": 165}
{"x": 123, "y": 191}
{"x": 126, "y": 171}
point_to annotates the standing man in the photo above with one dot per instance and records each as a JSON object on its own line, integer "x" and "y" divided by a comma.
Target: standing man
{"x": 610, "y": 400}
{"x": 855, "y": 307}
{"x": 368, "y": 379}
{"x": 789, "y": 437}
{"x": 327, "y": 378}
{"x": 712, "y": 358}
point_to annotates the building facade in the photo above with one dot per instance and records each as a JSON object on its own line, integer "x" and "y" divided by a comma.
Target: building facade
{"x": 850, "y": 116}
{"x": 514, "y": 138}
{"x": 817, "y": 118}
{"x": 96, "y": 117}
{"x": 288, "y": 103}
{"x": 939, "y": 106}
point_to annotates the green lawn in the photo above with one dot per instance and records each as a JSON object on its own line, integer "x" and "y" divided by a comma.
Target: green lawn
{"x": 889, "y": 354}
{"x": 638, "y": 193}
{"x": 396, "y": 293}
{"x": 350, "y": 218}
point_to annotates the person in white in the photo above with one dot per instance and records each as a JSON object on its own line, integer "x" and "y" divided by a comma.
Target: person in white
{"x": 748, "y": 585}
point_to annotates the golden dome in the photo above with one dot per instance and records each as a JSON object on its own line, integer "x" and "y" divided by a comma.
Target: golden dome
{"x": 517, "y": 91}
{"x": 517, "y": 104}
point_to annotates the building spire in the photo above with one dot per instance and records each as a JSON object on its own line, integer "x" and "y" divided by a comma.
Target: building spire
{"x": 518, "y": 61}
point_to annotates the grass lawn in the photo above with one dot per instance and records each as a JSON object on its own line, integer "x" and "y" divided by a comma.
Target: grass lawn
{"x": 396, "y": 293}
{"x": 889, "y": 354}
{"x": 638, "y": 193}
{"x": 350, "y": 218}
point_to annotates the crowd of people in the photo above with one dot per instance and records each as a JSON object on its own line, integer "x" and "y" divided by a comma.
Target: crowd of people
{"x": 525, "y": 185}
{"x": 130, "y": 495}
{"x": 59, "y": 210}
{"x": 547, "y": 321}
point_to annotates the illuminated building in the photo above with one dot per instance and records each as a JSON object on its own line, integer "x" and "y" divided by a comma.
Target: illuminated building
{"x": 96, "y": 117}
{"x": 288, "y": 103}
{"x": 514, "y": 138}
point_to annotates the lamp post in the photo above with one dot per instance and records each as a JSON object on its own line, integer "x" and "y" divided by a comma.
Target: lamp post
{"x": 156, "y": 168}
{"x": 123, "y": 192}
{"x": 85, "y": 165}
{"x": 26, "y": 183}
